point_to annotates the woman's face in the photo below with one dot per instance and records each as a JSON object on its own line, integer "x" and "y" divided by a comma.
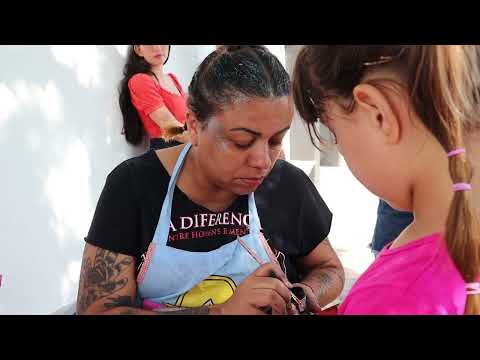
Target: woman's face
{"x": 155, "y": 55}
{"x": 238, "y": 147}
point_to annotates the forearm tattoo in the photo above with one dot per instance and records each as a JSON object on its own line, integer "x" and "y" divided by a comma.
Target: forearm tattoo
{"x": 120, "y": 300}
{"x": 103, "y": 278}
{"x": 203, "y": 310}
{"x": 324, "y": 280}
{"x": 324, "y": 276}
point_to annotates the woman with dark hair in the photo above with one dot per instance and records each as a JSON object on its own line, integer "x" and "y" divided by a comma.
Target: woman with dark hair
{"x": 181, "y": 230}
{"x": 151, "y": 101}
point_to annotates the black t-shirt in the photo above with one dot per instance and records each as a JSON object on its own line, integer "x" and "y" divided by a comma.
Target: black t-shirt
{"x": 294, "y": 217}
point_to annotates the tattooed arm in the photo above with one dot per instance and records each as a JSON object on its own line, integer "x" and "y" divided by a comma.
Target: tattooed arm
{"x": 107, "y": 286}
{"x": 323, "y": 274}
{"x": 107, "y": 282}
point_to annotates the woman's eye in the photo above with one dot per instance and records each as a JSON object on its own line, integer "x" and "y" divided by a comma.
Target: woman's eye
{"x": 275, "y": 143}
{"x": 242, "y": 146}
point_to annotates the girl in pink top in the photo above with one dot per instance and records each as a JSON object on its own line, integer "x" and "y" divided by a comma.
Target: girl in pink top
{"x": 398, "y": 115}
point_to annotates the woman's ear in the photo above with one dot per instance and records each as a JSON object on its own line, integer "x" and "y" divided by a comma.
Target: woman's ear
{"x": 137, "y": 50}
{"x": 193, "y": 126}
{"x": 379, "y": 111}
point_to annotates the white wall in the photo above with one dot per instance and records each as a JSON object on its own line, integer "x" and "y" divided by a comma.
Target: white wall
{"x": 59, "y": 138}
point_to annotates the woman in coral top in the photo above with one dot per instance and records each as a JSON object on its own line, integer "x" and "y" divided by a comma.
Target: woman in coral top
{"x": 152, "y": 102}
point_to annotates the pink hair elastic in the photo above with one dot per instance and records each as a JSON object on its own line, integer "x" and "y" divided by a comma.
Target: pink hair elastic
{"x": 461, "y": 187}
{"x": 456, "y": 152}
{"x": 473, "y": 288}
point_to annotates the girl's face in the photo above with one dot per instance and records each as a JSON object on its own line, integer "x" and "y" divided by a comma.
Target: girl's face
{"x": 238, "y": 147}
{"x": 155, "y": 55}
{"x": 374, "y": 144}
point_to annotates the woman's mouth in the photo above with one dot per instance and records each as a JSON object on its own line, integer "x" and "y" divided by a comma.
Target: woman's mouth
{"x": 251, "y": 182}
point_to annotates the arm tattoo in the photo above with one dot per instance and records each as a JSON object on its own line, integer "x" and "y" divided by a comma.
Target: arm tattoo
{"x": 322, "y": 279}
{"x": 324, "y": 268}
{"x": 340, "y": 274}
{"x": 128, "y": 312}
{"x": 102, "y": 279}
{"x": 120, "y": 300}
{"x": 203, "y": 310}
{"x": 325, "y": 277}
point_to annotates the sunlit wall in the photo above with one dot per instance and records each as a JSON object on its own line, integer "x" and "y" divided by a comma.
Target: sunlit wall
{"x": 60, "y": 135}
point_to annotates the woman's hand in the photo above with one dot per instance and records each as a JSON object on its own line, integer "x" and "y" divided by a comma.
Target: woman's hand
{"x": 312, "y": 301}
{"x": 264, "y": 289}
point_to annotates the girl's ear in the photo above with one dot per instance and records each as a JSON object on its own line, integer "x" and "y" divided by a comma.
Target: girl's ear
{"x": 379, "y": 111}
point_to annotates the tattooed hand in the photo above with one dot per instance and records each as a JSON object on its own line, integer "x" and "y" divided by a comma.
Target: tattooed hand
{"x": 102, "y": 278}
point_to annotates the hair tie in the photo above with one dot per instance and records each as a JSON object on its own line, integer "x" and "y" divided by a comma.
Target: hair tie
{"x": 473, "y": 288}
{"x": 456, "y": 152}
